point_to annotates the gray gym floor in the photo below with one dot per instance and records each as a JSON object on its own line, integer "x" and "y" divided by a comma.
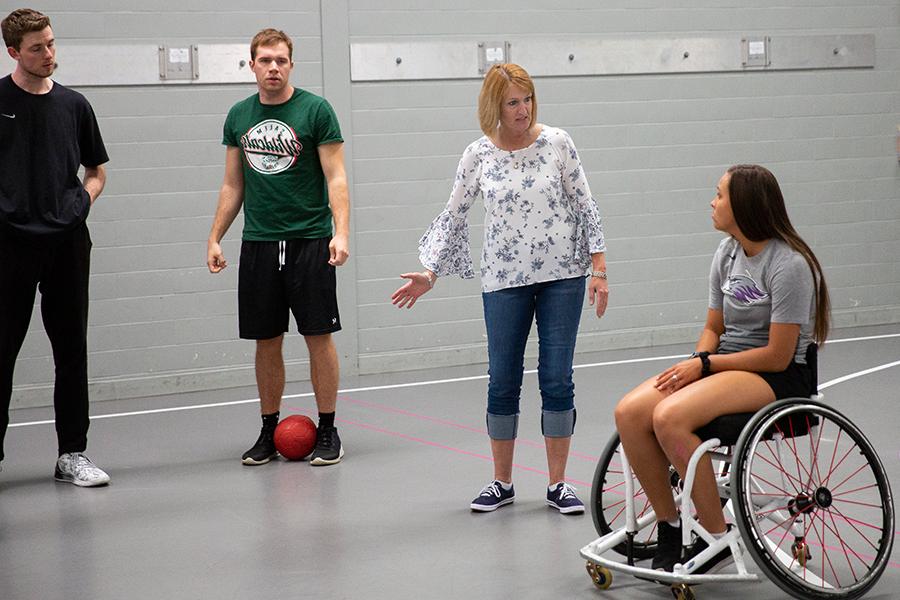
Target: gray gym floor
{"x": 183, "y": 518}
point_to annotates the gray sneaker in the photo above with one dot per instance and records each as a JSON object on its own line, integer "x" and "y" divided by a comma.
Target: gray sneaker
{"x": 75, "y": 467}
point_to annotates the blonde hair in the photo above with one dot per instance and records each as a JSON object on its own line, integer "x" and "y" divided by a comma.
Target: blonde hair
{"x": 493, "y": 91}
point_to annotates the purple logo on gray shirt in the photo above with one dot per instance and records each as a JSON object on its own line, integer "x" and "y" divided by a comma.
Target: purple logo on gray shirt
{"x": 743, "y": 289}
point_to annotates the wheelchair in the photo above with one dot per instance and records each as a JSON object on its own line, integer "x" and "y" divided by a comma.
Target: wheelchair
{"x": 806, "y": 490}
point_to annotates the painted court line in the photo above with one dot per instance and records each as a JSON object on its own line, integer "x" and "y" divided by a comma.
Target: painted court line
{"x": 454, "y": 380}
{"x": 453, "y": 424}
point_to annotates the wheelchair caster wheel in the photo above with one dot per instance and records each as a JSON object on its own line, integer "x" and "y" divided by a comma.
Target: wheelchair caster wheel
{"x": 601, "y": 576}
{"x": 801, "y": 553}
{"x": 682, "y": 591}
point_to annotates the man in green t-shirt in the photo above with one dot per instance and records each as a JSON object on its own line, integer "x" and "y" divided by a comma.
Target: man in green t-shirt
{"x": 284, "y": 163}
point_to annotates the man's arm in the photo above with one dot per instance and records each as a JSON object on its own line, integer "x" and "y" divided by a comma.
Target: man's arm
{"x": 332, "y": 158}
{"x": 231, "y": 197}
{"x": 94, "y": 181}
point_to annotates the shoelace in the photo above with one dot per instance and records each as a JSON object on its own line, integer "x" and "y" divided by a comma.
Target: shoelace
{"x": 325, "y": 438}
{"x": 82, "y": 465}
{"x": 492, "y": 489}
{"x": 567, "y": 492}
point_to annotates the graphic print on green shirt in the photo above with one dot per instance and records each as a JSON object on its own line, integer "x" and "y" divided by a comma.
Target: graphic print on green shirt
{"x": 285, "y": 191}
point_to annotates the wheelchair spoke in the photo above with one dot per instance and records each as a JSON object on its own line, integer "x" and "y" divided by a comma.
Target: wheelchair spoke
{"x": 782, "y": 471}
{"x": 849, "y": 477}
{"x": 825, "y": 556}
{"x": 828, "y": 493}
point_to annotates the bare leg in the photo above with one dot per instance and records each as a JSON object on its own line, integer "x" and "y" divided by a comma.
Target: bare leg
{"x": 324, "y": 370}
{"x": 677, "y": 417}
{"x": 634, "y": 422}
{"x": 557, "y": 456}
{"x": 270, "y": 374}
{"x": 503, "y": 458}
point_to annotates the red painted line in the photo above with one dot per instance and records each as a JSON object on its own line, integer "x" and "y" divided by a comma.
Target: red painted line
{"x": 418, "y": 440}
{"x": 453, "y": 424}
{"x": 450, "y": 448}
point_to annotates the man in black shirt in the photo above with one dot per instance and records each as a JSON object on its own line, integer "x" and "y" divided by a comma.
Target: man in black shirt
{"x": 46, "y": 132}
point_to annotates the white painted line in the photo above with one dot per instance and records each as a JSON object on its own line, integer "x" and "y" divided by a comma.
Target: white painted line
{"x": 395, "y": 386}
{"x": 392, "y": 386}
{"x": 858, "y": 374}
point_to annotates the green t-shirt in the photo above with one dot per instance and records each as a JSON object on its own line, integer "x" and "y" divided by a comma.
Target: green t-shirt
{"x": 285, "y": 191}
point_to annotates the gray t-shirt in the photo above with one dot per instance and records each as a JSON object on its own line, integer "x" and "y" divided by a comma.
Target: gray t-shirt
{"x": 775, "y": 286}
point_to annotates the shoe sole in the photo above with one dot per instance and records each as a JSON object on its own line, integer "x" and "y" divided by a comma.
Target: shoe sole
{"x": 321, "y": 462}
{"x": 491, "y": 508}
{"x": 80, "y": 483}
{"x": 255, "y": 463}
{"x": 566, "y": 510}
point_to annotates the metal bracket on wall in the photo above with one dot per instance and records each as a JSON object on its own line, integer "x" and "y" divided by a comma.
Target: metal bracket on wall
{"x": 490, "y": 54}
{"x": 755, "y": 51}
{"x": 147, "y": 64}
{"x": 548, "y": 57}
{"x": 178, "y": 62}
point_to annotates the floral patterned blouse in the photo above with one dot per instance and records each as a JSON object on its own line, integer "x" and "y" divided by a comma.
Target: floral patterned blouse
{"x": 541, "y": 222}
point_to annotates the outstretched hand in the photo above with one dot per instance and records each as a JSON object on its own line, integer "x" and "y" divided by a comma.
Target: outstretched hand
{"x": 407, "y": 294}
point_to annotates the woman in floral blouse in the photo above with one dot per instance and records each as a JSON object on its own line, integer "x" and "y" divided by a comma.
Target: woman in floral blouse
{"x": 542, "y": 238}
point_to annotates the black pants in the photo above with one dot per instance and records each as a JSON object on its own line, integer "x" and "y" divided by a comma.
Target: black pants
{"x": 61, "y": 271}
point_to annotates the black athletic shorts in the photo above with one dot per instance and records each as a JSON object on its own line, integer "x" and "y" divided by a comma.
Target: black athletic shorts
{"x": 794, "y": 382}
{"x": 294, "y": 276}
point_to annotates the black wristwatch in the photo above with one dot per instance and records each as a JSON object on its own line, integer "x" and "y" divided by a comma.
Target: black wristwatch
{"x": 704, "y": 360}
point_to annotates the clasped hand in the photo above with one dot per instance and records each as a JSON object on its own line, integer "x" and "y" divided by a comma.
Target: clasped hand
{"x": 679, "y": 375}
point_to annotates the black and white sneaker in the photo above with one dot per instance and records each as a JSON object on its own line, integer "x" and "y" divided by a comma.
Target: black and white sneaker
{"x": 668, "y": 547}
{"x": 263, "y": 450}
{"x": 716, "y": 563}
{"x": 329, "y": 449}
{"x": 75, "y": 467}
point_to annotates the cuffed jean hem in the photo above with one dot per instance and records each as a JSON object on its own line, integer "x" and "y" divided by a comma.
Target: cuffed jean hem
{"x": 558, "y": 424}
{"x": 502, "y": 427}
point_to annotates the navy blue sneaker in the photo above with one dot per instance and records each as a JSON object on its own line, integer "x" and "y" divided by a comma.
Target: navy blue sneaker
{"x": 562, "y": 497}
{"x": 492, "y": 497}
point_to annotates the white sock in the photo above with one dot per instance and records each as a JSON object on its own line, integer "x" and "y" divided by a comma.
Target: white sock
{"x": 675, "y": 523}
{"x": 719, "y": 535}
{"x": 504, "y": 485}
{"x": 552, "y": 486}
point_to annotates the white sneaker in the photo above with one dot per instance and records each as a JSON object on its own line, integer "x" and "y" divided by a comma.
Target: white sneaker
{"x": 75, "y": 467}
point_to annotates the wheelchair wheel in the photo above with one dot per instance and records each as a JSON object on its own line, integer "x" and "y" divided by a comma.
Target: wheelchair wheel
{"x": 608, "y": 501}
{"x": 812, "y": 501}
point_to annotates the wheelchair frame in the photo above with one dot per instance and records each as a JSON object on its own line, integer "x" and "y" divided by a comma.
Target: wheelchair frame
{"x": 732, "y": 480}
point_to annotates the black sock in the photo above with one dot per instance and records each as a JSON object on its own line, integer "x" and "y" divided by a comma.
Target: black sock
{"x": 270, "y": 420}
{"x": 326, "y": 420}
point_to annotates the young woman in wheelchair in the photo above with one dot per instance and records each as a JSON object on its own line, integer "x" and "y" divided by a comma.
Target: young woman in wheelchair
{"x": 767, "y": 303}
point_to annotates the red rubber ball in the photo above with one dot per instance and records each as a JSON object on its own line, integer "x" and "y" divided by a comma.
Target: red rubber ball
{"x": 295, "y": 437}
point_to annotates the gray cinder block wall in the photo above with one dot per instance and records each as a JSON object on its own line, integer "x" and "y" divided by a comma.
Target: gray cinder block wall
{"x": 654, "y": 147}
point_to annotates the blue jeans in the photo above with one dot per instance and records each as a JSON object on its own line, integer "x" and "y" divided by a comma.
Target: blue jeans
{"x": 508, "y": 314}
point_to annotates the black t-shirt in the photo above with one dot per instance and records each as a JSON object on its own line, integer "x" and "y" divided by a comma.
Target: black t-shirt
{"x": 43, "y": 140}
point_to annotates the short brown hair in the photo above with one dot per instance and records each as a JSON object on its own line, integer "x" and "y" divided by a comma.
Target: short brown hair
{"x": 19, "y": 22}
{"x": 496, "y": 83}
{"x": 271, "y": 37}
